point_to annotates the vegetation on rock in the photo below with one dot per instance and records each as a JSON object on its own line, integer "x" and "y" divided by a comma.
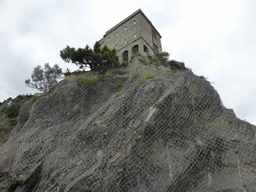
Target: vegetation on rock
{"x": 143, "y": 79}
{"x": 124, "y": 64}
{"x": 9, "y": 113}
{"x": 90, "y": 82}
{"x": 97, "y": 59}
{"x": 164, "y": 56}
{"x": 44, "y": 79}
{"x": 120, "y": 84}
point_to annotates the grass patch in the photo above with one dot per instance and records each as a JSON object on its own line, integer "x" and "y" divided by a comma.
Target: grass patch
{"x": 35, "y": 98}
{"x": 13, "y": 122}
{"x": 124, "y": 64}
{"x": 4, "y": 129}
{"x": 143, "y": 61}
{"x": 143, "y": 79}
{"x": 101, "y": 78}
{"x": 116, "y": 71}
{"x": 7, "y": 128}
{"x": 117, "y": 95}
{"x": 90, "y": 82}
{"x": 80, "y": 80}
{"x": 120, "y": 84}
{"x": 133, "y": 76}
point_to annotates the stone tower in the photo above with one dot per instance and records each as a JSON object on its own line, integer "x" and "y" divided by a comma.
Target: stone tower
{"x": 135, "y": 34}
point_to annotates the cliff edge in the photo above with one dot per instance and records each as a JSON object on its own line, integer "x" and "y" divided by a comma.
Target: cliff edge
{"x": 149, "y": 128}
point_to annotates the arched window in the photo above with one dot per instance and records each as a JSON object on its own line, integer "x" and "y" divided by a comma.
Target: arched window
{"x": 134, "y": 35}
{"x": 145, "y": 49}
{"x": 125, "y": 41}
{"x": 125, "y": 56}
{"x": 135, "y": 49}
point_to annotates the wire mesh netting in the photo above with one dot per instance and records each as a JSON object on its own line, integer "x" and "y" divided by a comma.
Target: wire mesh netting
{"x": 164, "y": 133}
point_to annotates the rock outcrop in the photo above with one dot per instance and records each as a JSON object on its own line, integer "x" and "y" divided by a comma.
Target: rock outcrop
{"x": 167, "y": 132}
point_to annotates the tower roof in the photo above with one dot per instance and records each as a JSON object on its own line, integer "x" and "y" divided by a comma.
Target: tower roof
{"x": 128, "y": 18}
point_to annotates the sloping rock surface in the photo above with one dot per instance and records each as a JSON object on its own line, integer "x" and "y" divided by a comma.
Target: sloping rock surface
{"x": 169, "y": 133}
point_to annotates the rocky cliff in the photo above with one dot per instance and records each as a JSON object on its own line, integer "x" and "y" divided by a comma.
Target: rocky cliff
{"x": 152, "y": 129}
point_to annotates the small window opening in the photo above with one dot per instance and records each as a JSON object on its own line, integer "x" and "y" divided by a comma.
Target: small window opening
{"x": 125, "y": 41}
{"x": 134, "y": 35}
{"x": 145, "y": 49}
{"x": 134, "y": 22}
{"x": 109, "y": 39}
{"x": 125, "y": 56}
{"x": 154, "y": 34}
{"x": 155, "y": 48}
{"x": 117, "y": 34}
{"x": 135, "y": 49}
{"x": 125, "y": 28}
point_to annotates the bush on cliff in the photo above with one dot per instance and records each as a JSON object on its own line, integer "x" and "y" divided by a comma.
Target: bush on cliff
{"x": 12, "y": 110}
{"x": 98, "y": 59}
{"x": 44, "y": 79}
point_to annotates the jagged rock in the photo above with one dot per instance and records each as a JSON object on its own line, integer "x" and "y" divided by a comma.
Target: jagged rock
{"x": 170, "y": 133}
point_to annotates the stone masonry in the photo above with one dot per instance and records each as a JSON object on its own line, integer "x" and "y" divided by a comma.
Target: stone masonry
{"x": 135, "y": 34}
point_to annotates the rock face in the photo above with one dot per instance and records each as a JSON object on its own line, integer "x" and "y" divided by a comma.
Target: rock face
{"x": 167, "y": 133}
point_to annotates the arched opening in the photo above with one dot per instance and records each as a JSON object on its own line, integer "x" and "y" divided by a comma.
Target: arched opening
{"x": 145, "y": 49}
{"x": 125, "y": 56}
{"x": 135, "y": 49}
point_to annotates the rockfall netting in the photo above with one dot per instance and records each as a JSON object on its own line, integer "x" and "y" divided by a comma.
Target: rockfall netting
{"x": 168, "y": 133}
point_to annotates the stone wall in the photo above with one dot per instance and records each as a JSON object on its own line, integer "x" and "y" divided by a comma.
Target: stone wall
{"x": 135, "y": 31}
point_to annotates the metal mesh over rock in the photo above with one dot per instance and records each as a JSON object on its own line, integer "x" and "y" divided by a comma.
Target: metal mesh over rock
{"x": 168, "y": 133}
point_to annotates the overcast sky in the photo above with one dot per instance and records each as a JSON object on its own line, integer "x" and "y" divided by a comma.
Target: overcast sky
{"x": 215, "y": 38}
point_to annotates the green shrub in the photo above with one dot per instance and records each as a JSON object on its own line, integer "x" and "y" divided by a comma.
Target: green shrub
{"x": 12, "y": 111}
{"x": 13, "y": 122}
{"x": 116, "y": 71}
{"x": 177, "y": 65}
{"x": 120, "y": 84}
{"x": 143, "y": 61}
{"x": 22, "y": 98}
{"x": 98, "y": 59}
{"x": 117, "y": 95}
{"x": 90, "y": 82}
{"x": 124, "y": 64}
{"x": 149, "y": 56}
{"x": 82, "y": 80}
{"x": 101, "y": 78}
{"x": 35, "y": 98}
{"x": 19, "y": 98}
{"x": 164, "y": 56}
{"x": 143, "y": 79}
{"x": 157, "y": 63}
{"x": 4, "y": 129}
